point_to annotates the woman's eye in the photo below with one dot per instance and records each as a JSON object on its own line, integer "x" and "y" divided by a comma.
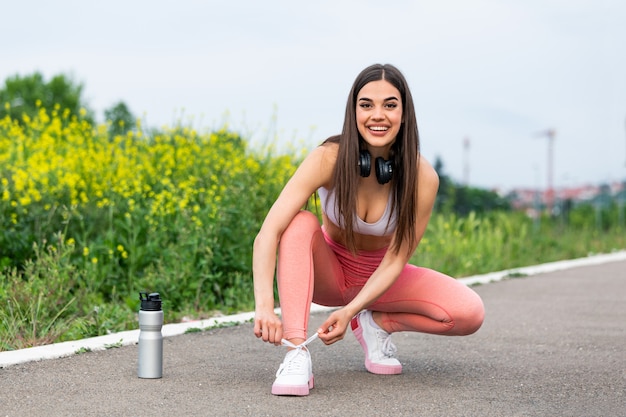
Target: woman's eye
{"x": 392, "y": 105}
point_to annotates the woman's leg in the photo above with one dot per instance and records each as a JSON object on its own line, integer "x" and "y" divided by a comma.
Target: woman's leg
{"x": 423, "y": 300}
{"x": 305, "y": 264}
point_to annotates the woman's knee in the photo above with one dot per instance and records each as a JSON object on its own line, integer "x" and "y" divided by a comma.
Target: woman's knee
{"x": 303, "y": 224}
{"x": 471, "y": 318}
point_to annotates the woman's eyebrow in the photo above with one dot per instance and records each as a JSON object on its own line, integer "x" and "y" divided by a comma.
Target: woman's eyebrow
{"x": 387, "y": 99}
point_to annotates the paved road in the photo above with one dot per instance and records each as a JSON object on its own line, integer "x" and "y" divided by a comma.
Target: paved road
{"x": 552, "y": 345}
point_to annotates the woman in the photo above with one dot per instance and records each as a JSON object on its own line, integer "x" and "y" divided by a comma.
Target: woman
{"x": 377, "y": 193}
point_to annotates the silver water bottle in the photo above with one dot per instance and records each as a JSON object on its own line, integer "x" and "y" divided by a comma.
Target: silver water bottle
{"x": 150, "y": 336}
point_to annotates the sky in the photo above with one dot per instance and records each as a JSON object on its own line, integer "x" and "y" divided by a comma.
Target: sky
{"x": 496, "y": 74}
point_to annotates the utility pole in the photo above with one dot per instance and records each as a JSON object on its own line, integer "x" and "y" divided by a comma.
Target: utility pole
{"x": 549, "y": 134}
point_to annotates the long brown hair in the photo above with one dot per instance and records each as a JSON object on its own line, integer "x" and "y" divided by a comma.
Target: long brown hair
{"x": 404, "y": 152}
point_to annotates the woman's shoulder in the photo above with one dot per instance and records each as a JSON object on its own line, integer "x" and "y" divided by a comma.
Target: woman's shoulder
{"x": 326, "y": 153}
{"x": 331, "y": 148}
{"x": 318, "y": 166}
{"x": 426, "y": 173}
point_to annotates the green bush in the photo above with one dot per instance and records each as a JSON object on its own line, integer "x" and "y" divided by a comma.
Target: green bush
{"x": 174, "y": 213}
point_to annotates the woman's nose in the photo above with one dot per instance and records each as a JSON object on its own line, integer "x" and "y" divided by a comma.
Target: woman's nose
{"x": 377, "y": 114}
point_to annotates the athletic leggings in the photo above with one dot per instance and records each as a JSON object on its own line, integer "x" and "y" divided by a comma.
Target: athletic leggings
{"x": 314, "y": 268}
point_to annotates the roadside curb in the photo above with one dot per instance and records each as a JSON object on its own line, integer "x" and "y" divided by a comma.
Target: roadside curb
{"x": 544, "y": 268}
{"x": 131, "y": 337}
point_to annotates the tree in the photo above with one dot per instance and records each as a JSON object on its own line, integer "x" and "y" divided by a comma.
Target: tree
{"x": 462, "y": 200}
{"x": 477, "y": 200}
{"x": 24, "y": 95}
{"x": 445, "y": 195}
{"x": 120, "y": 118}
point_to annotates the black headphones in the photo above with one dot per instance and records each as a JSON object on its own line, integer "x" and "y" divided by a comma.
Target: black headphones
{"x": 384, "y": 169}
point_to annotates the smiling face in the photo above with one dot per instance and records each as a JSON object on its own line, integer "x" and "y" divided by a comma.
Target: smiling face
{"x": 379, "y": 115}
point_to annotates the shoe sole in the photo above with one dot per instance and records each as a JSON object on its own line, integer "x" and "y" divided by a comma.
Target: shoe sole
{"x": 297, "y": 390}
{"x": 374, "y": 368}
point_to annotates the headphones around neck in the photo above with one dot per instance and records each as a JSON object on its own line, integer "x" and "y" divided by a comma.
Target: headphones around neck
{"x": 384, "y": 169}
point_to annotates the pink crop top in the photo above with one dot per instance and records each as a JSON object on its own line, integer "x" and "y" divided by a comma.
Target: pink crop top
{"x": 385, "y": 226}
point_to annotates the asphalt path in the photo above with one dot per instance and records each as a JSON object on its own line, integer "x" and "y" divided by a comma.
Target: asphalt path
{"x": 553, "y": 344}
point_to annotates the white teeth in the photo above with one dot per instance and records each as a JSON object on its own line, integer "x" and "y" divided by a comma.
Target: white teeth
{"x": 378, "y": 128}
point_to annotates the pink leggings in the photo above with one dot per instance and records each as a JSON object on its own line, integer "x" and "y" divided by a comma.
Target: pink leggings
{"x": 313, "y": 268}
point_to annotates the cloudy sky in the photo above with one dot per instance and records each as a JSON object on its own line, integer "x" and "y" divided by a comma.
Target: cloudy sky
{"x": 497, "y": 72}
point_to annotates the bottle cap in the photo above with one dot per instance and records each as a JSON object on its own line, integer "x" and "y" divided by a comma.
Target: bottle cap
{"x": 150, "y": 302}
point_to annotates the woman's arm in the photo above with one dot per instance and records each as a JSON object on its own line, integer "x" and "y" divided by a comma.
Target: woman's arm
{"x": 314, "y": 172}
{"x": 333, "y": 329}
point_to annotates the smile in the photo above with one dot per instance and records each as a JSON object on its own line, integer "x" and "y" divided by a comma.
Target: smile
{"x": 378, "y": 128}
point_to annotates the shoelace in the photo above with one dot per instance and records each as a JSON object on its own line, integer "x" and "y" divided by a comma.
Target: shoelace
{"x": 387, "y": 347}
{"x": 290, "y": 365}
{"x": 286, "y": 342}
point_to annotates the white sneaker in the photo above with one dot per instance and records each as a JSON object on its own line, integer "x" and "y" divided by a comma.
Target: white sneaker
{"x": 295, "y": 374}
{"x": 379, "y": 350}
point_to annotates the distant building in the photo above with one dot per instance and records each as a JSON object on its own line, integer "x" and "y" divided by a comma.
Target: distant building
{"x": 534, "y": 201}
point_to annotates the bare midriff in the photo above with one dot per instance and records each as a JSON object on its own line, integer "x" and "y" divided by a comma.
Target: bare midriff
{"x": 363, "y": 242}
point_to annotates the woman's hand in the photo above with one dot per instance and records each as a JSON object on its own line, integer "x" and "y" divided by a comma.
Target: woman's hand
{"x": 268, "y": 327}
{"x": 335, "y": 326}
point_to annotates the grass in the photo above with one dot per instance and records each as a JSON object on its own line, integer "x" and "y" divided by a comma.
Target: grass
{"x": 463, "y": 246}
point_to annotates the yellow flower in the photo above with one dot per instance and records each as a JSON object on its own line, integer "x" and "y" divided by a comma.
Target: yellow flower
{"x": 24, "y": 201}
{"x": 85, "y": 251}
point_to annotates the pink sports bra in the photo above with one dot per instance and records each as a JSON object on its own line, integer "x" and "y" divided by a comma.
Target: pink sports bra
{"x": 385, "y": 226}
